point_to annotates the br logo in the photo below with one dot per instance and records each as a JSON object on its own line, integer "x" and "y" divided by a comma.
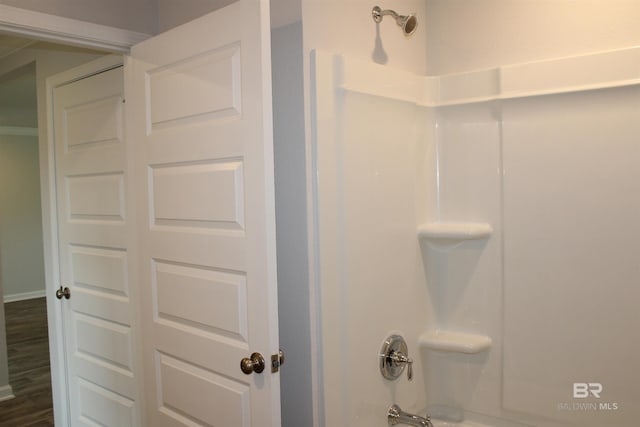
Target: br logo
{"x": 584, "y": 390}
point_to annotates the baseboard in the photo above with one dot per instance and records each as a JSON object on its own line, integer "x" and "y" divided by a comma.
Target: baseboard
{"x": 24, "y": 295}
{"x": 6, "y": 393}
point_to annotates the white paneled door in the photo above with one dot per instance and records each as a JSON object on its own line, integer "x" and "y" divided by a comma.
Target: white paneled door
{"x": 171, "y": 219}
{"x": 200, "y": 103}
{"x": 96, "y": 236}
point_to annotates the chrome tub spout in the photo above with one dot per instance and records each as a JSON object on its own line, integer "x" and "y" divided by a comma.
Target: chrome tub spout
{"x": 395, "y": 415}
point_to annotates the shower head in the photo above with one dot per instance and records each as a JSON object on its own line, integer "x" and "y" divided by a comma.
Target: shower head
{"x": 408, "y": 23}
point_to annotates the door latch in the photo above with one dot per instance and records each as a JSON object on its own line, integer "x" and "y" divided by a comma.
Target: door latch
{"x": 276, "y": 361}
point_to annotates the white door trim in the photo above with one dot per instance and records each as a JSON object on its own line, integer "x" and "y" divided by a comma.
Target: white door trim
{"x": 50, "y": 234}
{"x": 58, "y": 29}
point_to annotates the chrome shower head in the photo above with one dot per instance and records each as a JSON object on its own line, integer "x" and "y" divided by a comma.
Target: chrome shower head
{"x": 408, "y": 23}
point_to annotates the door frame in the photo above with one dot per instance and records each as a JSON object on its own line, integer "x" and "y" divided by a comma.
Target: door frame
{"x": 45, "y": 27}
{"x": 56, "y": 29}
{"x": 60, "y": 392}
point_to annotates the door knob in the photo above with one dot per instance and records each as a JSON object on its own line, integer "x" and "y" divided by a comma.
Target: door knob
{"x": 255, "y": 363}
{"x": 63, "y": 292}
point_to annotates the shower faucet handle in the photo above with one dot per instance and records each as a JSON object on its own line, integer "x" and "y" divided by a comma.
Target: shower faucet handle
{"x": 394, "y": 358}
{"x": 400, "y": 359}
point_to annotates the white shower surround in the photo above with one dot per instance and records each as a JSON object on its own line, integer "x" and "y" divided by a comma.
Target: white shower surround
{"x": 396, "y": 154}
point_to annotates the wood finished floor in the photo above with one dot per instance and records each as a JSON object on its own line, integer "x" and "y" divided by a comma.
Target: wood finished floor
{"x": 29, "y": 370}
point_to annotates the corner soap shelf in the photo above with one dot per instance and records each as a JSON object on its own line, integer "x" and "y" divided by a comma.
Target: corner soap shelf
{"x": 454, "y": 231}
{"x": 447, "y": 234}
{"x": 455, "y": 342}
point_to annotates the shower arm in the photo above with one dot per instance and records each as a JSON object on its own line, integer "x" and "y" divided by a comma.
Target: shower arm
{"x": 378, "y": 13}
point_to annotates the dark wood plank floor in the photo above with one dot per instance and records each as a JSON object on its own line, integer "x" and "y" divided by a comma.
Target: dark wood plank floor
{"x": 29, "y": 371}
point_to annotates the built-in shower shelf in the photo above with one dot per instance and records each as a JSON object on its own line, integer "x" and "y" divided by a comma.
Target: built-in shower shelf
{"x": 455, "y": 342}
{"x": 453, "y": 232}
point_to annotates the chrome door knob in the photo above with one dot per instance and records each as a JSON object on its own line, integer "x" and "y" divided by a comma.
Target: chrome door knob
{"x": 255, "y": 363}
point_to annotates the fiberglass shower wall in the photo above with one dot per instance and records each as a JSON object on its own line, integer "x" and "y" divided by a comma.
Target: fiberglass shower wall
{"x": 546, "y": 153}
{"x": 490, "y": 218}
{"x": 571, "y": 209}
{"x": 370, "y": 277}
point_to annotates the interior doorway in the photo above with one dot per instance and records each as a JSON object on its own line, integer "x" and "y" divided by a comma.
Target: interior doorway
{"x": 24, "y": 66}
{"x": 21, "y": 247}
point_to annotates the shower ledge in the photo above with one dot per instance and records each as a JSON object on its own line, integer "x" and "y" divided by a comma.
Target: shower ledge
{"x": 455, "y": 342}
{"x": 453, "y": 232}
